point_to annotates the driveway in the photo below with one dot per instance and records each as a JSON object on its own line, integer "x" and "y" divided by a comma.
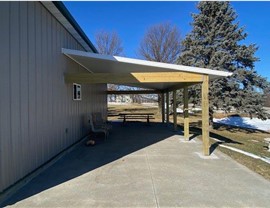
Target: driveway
{"x": 144, "y": 166}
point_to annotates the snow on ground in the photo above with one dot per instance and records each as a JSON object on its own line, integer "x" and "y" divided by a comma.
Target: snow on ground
{"x": 191, "y": 110}
{"x": 245, "y": 122}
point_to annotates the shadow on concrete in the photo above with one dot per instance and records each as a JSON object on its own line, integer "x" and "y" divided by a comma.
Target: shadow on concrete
{"x": 122, "y": 141}
{"x": 193, "y": 137}
{"x": 223, "y": 140}
{"x": 214, "y": 146}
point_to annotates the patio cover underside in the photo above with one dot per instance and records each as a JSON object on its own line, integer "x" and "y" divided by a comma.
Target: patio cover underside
{"x": 134, "y": 72}
{"x": 156, "y": 76}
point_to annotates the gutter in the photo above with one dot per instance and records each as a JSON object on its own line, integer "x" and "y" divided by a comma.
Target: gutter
{"x": 61, "y": 7}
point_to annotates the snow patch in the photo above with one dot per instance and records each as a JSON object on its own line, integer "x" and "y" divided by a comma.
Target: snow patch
{"x": 245, "y": 122}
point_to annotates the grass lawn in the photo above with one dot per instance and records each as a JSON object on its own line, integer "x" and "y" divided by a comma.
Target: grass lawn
{"x": 244, "y": 139}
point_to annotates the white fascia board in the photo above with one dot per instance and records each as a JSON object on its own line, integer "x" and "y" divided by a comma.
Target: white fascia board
{"x": 165, "y": 66}
{"x": 60, "y": 17}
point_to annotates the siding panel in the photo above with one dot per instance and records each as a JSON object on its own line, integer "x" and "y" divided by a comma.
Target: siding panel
{"x": 44, "y": 82}
{"x": 39, "y": 95}
{"x": 49, "y": 85}
{"x": 5, "y": 178}
{"x": 14, "y": 87}
{"x": 24, "y": 95}
{"x": 36, "y": 105}
{"x": 32, "y": 85}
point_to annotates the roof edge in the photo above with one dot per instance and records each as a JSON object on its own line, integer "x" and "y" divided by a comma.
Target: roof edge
{"x": 62, "y": 8}
{"x": 213, "y": 73}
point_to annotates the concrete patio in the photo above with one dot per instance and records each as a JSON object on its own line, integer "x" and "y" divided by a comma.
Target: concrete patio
{"x": 144, "y": 166}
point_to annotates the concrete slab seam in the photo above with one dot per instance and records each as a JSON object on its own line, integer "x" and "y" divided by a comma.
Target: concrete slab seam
{"x": 152, "y": 180}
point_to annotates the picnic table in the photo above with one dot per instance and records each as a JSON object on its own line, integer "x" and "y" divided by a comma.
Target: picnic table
{"x": 136, "y": 116}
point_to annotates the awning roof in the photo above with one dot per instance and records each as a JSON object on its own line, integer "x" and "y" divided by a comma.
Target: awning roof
{"x": 97, "y": 63}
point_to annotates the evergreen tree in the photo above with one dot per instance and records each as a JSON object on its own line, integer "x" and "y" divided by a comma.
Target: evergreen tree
{"x": 215, "y": 43}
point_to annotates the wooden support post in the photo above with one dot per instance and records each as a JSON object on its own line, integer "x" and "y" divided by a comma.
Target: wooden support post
{"x": 162, "y": 108}
{"x": 167, "y": 108}
{"x": 174, "y": 111}
{"x": 186, "y": 116}
{"x": 205, "y": 115}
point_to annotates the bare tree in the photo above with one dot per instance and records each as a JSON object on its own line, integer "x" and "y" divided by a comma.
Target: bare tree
{"x": 109, "y": 43}
{"x": 161, "y": 43}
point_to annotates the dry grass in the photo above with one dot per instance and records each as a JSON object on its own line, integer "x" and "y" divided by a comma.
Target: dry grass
{"x": 253, "y": 164}
{"x": 114, "y": 110}
{"x": 245, "y": 139}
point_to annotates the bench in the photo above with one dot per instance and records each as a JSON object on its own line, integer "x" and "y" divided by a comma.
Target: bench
{"x": 136, "y": 116}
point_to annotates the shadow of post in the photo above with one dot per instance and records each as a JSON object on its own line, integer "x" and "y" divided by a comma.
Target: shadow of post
{"x": 197, "y": 131}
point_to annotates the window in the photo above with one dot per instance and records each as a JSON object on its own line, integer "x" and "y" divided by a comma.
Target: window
{"x": 77, "y": 93}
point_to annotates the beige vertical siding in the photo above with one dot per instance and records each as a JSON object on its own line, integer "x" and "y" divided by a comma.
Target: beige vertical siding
{"x": 38, "y": 117}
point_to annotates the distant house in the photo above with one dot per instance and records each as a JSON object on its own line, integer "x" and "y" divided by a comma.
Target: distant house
{"x": 39, "y": 114}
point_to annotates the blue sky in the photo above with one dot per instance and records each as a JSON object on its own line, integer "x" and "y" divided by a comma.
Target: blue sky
{"x": 131, "y": 19}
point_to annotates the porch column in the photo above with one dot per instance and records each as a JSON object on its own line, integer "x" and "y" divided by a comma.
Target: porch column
{"x": 167, "y": 108}
{"x": 205, "y": 115}
{"x": 174, "y": 111}
{"x": 186, "y": 116}
{"x": 162, "y": 108}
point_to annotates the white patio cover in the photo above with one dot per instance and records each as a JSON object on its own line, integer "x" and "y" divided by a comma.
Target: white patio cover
{"x": 97, "y": 63}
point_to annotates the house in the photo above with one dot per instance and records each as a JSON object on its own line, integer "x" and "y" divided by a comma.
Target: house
{"x": 38, "y": 115}
{"x": 52, "y": 76}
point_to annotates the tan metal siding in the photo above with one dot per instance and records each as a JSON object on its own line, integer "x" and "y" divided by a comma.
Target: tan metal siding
{"x": 36, "y": 105}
